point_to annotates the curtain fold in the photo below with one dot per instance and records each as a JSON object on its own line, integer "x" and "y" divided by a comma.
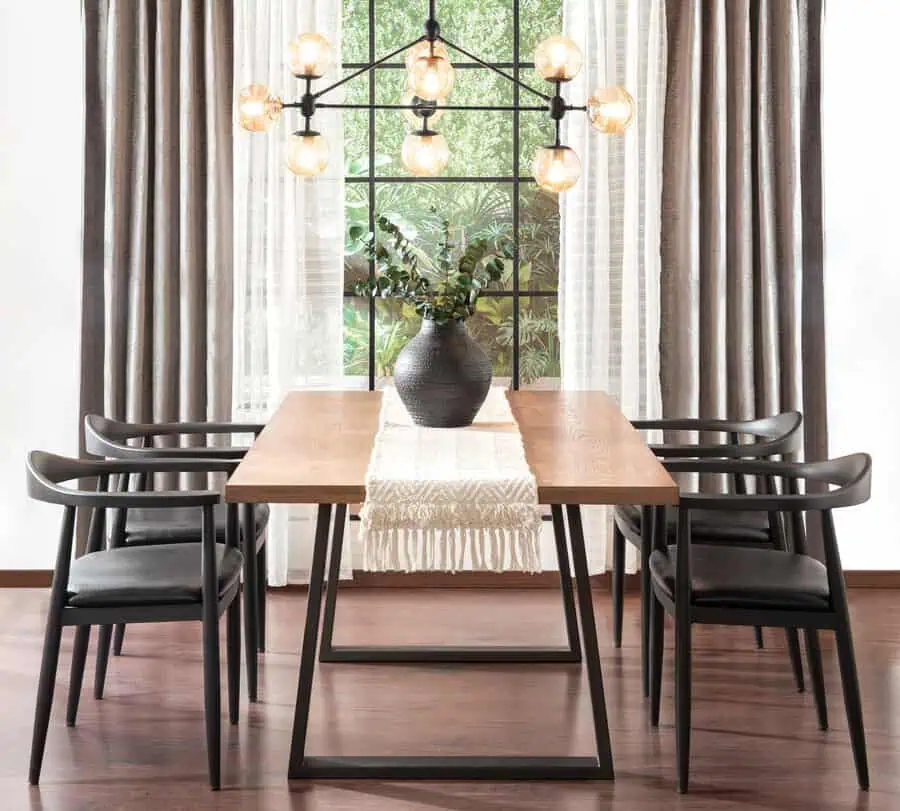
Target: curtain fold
{"x": 742, "y": 313}
{"x": 288, "y": 250}
{"x": 610, "y": 222}
{"x": 157, "y": 270}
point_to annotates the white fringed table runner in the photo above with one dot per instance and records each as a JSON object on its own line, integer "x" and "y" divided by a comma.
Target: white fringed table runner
{"x": 450, "y": 498}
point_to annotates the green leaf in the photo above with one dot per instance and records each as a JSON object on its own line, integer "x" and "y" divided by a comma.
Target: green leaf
{"x": 358, "y": 167}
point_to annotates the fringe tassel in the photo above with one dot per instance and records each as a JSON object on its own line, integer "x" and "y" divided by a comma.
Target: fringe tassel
{"x": 452, "y": 550}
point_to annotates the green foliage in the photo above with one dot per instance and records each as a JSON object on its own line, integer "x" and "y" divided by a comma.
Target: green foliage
{"x": 440, "y": 288}
{"x": 395, "y": 324}
{"x": 480, "y": 146}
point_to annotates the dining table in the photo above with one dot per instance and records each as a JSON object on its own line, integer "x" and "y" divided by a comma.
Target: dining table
{"x": 582, "y": 451}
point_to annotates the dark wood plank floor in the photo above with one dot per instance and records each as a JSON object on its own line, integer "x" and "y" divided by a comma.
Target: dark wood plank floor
{"x": 756, "y": 744}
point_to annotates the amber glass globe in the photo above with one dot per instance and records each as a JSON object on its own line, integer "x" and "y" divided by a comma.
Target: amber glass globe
{"x": 307, "y": 154}
{"x": 611, "y": 110}
{"x": 258, "y": 109}
{"x": 425, "y": 153}
{"x": 557, "y": 59}
{"x": 423, "y": 48}
{"x": 310, "y": 56}
{"x": 431, "y": 77}
{"x": 556, "y": 168}
{"x": 411, "y": 99}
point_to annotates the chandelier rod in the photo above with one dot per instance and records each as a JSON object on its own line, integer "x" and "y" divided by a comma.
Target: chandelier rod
{"x": 440, "y": 108}
{"x": 505, "y": 75}
{"x": 366, "y": 69}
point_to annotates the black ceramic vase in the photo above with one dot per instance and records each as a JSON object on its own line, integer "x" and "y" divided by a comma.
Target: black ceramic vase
{"x": 442, "y": 375}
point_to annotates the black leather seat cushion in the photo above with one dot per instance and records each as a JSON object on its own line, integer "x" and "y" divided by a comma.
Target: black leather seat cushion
{"x": 708, "y": 525}
{"x": 147, "y": 575}
{"x": 181, "y": 524}
{"x": 742, "y": 577}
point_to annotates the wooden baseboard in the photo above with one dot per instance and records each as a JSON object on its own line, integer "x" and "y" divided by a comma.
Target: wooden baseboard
{"x": 25, "y": 578}
{"x": 858, "y": 579}
{"x": 873, "y": 579}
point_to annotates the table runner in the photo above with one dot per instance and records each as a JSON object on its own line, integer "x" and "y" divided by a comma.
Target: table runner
{"x": 450, "y": 498}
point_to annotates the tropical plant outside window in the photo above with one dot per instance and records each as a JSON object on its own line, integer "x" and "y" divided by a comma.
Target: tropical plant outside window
{"x": 487, "y": 191}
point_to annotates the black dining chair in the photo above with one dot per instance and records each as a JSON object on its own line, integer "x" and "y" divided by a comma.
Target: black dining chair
{"x": 754, "y": 439}
{"x": 110, "y": 438}
{"x": 728, "y": 585}
{"x": 159, "y": 583}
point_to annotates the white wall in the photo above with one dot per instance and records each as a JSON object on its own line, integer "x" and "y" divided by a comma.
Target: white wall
{"x": 862, "y": 218}
{"x": 40, "y": 259}
{"x": 40, "y": 239}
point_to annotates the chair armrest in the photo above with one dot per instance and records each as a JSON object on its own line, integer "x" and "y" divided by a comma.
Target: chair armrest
{"x": 775, "y": 435}
{"x": 105, "y": 437}
{"x": 167, "y": 428}
{"x": 46, "y": 471}
{"x": 750, "y": 450}
{"x": 114, "y": 450}
{"x": 851, "y": 476}
{"x": 691, "y": 424}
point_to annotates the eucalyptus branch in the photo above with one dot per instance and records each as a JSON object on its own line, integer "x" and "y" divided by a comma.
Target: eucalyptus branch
{"x": 451, "y": 295}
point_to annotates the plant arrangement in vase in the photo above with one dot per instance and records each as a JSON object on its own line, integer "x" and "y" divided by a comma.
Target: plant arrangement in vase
{"x": 439, "y": 289}
{"x": 442, "y": 375}
{"x": 479, "y": 211}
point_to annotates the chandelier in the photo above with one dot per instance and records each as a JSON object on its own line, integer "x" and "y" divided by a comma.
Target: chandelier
{"x": 429, "y": 82}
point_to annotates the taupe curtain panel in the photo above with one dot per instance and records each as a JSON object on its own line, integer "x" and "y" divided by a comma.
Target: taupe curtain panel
{"x": 157, "y": 287}
{"x": 742, "y": 309}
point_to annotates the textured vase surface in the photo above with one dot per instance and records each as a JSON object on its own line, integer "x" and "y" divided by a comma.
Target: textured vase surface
{"x": 442, "y": 375}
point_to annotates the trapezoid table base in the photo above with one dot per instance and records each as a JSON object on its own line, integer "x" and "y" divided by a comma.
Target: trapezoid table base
{"x": 442, "y": 768}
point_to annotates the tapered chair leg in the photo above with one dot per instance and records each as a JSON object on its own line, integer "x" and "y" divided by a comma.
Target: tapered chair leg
{"x": 853, "y": 704}
{"x": 46, "y": 685}
{"x": 682, "y": 698}
{"x": 618, "y": 584}
{"x": 646, "y": 542}
{"x": 118, "y": 639}
{"x": 261, "y": 583}
{"x": 251, "y": 600}
{"x": 233, "y": 644}
{"x": 793, "y": 646}
{"x": 212, "y": 698}
{"x": 657, "y": 632}
{"x": 814, "y": 660}
{"x": 758, "y": 635}
{"x": 104, "y": 635}
{"x": 76, "y": 677}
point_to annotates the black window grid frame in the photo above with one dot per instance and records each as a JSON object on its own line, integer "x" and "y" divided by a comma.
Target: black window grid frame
{"x": 516, "y": 179}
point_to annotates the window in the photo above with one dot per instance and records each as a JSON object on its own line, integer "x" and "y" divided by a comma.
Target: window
{"x": 486, "y": 189}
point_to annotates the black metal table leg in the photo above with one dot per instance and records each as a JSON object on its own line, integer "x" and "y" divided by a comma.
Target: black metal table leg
{"x": 326, "y": 649}
{"x": 565, "y": 580}
{"x": 493, "y": 768}
{"x": 421, "y": 654}
{"x": 310, "y": 637}
{"x": 589, "y": 635}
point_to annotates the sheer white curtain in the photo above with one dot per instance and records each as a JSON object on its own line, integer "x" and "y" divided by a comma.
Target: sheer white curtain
{"x": 609, "y": 261}
{"x": 289, "y": 240}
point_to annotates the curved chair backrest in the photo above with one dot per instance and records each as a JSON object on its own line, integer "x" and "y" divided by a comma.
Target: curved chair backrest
{"x": 772, "y": 436}
{"x": 849, "y": 476}
{"x": 850, "y": 479}
{"x": 46, "y": 472}
{"x": 106, "y": 437}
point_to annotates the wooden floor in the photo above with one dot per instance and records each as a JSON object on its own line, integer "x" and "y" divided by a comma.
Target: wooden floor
{"x": 756, "y": 744}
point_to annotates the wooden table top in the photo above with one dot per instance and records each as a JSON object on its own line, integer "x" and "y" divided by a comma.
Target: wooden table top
{"x": 582, "y": 450}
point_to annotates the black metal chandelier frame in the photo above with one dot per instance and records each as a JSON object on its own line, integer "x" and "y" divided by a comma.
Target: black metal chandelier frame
{"x": 554, "y": 104}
